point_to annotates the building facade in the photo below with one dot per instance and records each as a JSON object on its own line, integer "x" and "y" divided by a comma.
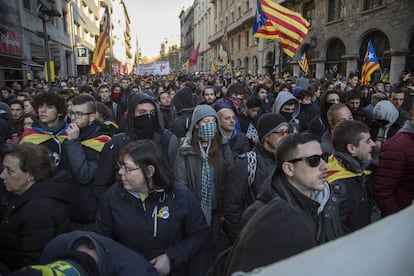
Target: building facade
{"x": 335, "y": 45}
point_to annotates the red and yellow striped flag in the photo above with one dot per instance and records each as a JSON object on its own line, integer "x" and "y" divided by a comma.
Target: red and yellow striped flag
{"x": 275, "y": 21}
{"x": 98, "y": 58}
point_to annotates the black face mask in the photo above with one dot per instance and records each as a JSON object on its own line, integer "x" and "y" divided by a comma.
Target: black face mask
{"x": 286, "y": 115}
{"x": 144, "y": 126}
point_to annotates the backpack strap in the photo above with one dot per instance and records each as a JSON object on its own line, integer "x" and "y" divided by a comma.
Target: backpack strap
{"x": 251, "y": 166}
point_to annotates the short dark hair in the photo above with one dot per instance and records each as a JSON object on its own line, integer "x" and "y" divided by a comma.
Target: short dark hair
{"x": 288, "y": 146}
{"x": 348, "y": 132}
{"x": 353, "y": 95}
{"x": 145, "y": 153}
{"x": 237, "y": 89}
{"x": 50, "y": 98}
{"x": 34, "y": 159}
{"x": 253, "y": 102}
{"x": 304, "y": 94}
{"x": 104, "y": 110}
{"x": 85, "y": 99}
{"x": 16, "y": 101}
{"x": 104, "y": 86}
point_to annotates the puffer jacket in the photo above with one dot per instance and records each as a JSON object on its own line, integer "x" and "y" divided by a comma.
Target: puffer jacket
{"x": 394, "y": 179}
{"x": 33, "y": 218}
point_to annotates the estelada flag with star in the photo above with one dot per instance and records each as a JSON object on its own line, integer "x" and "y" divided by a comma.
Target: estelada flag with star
{"x": 370, "y": 64}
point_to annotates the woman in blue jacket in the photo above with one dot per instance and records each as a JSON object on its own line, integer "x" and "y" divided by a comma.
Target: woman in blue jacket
{"x": 150, "y": 213}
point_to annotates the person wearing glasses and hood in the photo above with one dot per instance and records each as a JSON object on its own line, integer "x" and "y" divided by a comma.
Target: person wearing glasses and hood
{"x": 151, "y": 213}
{"x": 144, "y": 121}
{"x": 203, "y": 162}
{"x": 297, "y": 211}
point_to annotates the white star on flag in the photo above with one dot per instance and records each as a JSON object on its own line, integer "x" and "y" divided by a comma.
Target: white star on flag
{"x": 370, "y": 55}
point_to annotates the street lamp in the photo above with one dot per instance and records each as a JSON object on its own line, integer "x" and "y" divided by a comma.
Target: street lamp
{"x": 46, "y": 11}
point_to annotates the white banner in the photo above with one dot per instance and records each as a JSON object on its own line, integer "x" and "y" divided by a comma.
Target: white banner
{"x": 155, "y": 68}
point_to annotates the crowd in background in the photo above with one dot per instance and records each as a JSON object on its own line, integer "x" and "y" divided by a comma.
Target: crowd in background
{"x": 213, "y": 173}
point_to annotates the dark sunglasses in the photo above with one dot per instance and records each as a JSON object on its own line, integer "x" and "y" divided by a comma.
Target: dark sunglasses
{"x": 313, "y": 160}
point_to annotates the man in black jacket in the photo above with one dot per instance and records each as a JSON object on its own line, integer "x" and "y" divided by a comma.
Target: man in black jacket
{"x": 348, "y": 175}
{"x": 81, "y": 150}
{"x": 252, "y": 170}
{"x": 300, "y": 212}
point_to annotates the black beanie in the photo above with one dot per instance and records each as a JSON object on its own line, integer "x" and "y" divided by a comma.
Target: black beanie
{"x": 269, "y": 123}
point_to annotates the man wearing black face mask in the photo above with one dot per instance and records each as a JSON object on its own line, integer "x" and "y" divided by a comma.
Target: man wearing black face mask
{"x": 144, "y": 121}
{"x": 288, "y": 106}
{"x": 307, "y": 112}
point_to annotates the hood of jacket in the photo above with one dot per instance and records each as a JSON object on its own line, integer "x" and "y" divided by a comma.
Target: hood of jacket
{"x": 140, "y": 98}
{"x": 281, "y": 99}
{"x": 201, "y": 111}
{"x": 58, "y": 187}
{"x": 407, "y": 127}
{"x": 183, "y": 99}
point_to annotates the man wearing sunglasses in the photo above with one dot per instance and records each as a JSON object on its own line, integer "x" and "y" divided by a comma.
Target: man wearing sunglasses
{"x": 348, "y": 175}
{"x": 297, "y": 211}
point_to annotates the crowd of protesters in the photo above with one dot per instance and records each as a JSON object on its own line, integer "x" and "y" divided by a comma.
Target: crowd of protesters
{"x": 195, "y": 174}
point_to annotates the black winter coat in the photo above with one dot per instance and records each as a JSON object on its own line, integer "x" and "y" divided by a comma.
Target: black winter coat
{"x": 82, "y": 161}
{"x": 33, "y": 218}
{"x": 171, "y": 224}
{"x": 240, "y": 194}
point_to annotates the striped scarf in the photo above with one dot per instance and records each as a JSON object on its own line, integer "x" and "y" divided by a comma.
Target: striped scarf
{"x": 206, "y": 184}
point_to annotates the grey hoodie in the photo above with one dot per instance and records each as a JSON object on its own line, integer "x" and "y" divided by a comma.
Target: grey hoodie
{"x": 281, "y": 99}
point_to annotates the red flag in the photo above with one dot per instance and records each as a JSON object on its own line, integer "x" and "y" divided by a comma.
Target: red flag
{"x": 194, "y": 55}
{"x": 98, "y": 58}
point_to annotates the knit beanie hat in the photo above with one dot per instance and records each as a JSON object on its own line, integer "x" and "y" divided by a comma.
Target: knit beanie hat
{"x": 268, "y": 123}
{"x": 201, "y": 111}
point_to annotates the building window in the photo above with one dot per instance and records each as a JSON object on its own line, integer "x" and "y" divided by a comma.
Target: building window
{"x": 309, "y": 10}
{"x": 232, "y": 16}
{"x": 239, "y": 42}
{"x": 26, "y": 4}
{"x": 247, "y": 5}
{"x": 247, "y": 39}
{"x": 334, "y": 62}
{"x": 371, "y": 4}
{"x": 65, "y": 21}
{"x": 334, "y": 10}
{"x": 409, "y": 64}
{"x": 239, "y": 11}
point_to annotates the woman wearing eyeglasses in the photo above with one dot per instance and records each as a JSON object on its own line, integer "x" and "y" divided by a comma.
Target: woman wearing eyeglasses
{"x": 152, "y": 214}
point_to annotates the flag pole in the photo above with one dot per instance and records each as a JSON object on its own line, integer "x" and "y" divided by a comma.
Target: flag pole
{"x": 281, "y": 60}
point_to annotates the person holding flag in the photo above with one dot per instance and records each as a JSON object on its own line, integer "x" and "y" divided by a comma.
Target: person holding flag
{"x": 370, "y": 64}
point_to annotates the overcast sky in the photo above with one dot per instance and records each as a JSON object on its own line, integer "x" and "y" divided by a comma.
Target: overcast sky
{"x": 154, "y": 20}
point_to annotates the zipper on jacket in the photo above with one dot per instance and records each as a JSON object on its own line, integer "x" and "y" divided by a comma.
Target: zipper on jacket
{"x": 154, "y": 215}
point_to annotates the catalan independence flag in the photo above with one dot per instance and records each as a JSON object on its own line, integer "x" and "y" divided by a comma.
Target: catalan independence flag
{"x": 273, "y": 21}
{"x": 98, "y": 58}
{"x": 370, "y": 64}
{"x": 303, "y": 63}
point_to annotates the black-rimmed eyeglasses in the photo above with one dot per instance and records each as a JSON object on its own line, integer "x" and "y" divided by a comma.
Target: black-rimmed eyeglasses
{"x": 313, "y": 160}
{"x": 125, "y": 168}
{"x": 78, "y": 114}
